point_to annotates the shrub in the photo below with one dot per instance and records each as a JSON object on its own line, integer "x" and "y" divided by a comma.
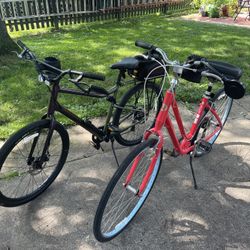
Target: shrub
{"x": 224, "y": 10}
{"x": 205, "y": 6}
{"x": 213, "y": 11}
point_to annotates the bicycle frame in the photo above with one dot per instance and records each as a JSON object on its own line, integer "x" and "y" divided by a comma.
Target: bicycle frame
{"x": 55, "y": 106}
{"x": 184, "y": 146}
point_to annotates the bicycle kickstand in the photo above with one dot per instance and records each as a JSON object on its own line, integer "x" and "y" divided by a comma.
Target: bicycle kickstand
{"x": 114, "y": 153}
{"x": 192, "y": 169}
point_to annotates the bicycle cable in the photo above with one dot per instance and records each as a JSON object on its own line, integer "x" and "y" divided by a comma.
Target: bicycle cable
{"x": 163, "y": 82}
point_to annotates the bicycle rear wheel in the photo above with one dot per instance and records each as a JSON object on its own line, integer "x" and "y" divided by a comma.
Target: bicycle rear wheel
{"x": 23, "y": 173}
{"x": 119, "y": 205}
{"x": 136, "y": 113}
{"x": 209, "y": 130}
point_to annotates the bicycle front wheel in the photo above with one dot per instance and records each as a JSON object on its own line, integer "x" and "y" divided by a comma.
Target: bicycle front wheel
{"x": 24, "y": 173}
{"x": 137, "y": 112}
{"x": 120, "y": 203}
{"x": 209, "y": 128}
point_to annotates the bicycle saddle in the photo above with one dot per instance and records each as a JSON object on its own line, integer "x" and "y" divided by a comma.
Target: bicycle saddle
{"x": 126, "y": 63}
{"x": 226, "y": 69}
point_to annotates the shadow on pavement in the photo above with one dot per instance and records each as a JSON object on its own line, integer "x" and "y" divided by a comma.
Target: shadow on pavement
{"x": 175, "y": 216}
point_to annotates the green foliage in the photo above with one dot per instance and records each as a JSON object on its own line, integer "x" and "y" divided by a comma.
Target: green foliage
{"x": 214, "y": 7}
{"x": 94, "y": 47}
{"x": 213, "y": 11}
{"x": 217, "y": 3}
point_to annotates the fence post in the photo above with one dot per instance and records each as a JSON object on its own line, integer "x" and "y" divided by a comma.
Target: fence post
{"x": 119, "y": 10}
{"x": 165, "y": 8}
{"x": 53, "y": 10}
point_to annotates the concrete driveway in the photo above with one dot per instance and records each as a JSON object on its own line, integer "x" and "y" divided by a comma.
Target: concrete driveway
{"x": 175, "y": 216}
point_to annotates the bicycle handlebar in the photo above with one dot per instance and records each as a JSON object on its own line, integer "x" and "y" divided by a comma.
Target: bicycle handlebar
{"x": 81, "y": 75}
{"x": 199, "y": 63}
{"x": 94, "y": 76}
{"x": 27, "y": 54}
{"x": 144, "y": 45}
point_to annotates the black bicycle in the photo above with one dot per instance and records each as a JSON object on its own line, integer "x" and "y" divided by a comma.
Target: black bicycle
{"x": 32, "y": 158}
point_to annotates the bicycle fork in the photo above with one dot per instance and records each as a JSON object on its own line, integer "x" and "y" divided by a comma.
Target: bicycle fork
{"x": 154, "y": 155}
{"x": 44, "y": 155}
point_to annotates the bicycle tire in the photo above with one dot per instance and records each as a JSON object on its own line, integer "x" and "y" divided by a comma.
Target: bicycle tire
{"x": 110, "y": 193}
{"x": 223, "y": 105}
{"x": 134, "y": 116}
{"x": 23, "y": 178}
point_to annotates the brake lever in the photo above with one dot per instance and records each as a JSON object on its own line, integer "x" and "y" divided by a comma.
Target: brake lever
{"x": 15, "y": 52}
{"x": 21, "y": 55}
{"x": 147, "y": 57}
{"x": 197, "y": 63}
{"x": 79, "y": 78}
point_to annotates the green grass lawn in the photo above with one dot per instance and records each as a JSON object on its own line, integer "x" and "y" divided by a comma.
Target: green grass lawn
{"x": 94, "y": 47}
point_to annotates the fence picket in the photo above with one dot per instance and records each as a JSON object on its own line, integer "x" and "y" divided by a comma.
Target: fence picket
{"x": 25, "y": 13}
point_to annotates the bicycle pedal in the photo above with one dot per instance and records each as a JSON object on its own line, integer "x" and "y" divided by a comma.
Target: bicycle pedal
{"x": 171, "y": 153}
{"x": 96, "y": 145}
{"x": 113, "y": 129}
{"x": 204, "y": 146}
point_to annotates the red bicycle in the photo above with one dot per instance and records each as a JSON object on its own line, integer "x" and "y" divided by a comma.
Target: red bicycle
{"x": 133, "y": 181}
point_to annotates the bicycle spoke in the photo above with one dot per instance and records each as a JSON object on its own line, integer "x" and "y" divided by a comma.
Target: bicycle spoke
{"x": 24, "y": 157}
{"x": 17, "y": 186}
{"x": 120, "y": 205}
{"x": 114, "y": 206}
{"x": 129, "y": 201}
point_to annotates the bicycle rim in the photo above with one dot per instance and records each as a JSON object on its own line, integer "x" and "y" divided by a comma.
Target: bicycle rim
{"x": 210, "y": 129}
{"x": 140, "y": 108}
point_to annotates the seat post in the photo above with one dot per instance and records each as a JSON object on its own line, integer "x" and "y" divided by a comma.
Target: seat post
{"x": 120, "y": 76}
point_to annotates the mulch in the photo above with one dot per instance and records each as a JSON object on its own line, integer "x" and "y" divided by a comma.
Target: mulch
{"x": 240, "y": 21}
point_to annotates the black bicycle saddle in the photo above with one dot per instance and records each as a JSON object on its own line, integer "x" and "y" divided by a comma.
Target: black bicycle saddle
{"x": 126, "y": 63}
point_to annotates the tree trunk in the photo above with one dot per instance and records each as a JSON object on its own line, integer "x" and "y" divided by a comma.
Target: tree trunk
{"x": 6, "y": 43}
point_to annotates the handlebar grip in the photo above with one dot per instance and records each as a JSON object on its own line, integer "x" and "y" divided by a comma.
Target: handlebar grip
{"x": 144, "y": 45}
{"x": 98, "y": 90}
{"x": 21, "y": 45}
{"x": 94, "y": 76}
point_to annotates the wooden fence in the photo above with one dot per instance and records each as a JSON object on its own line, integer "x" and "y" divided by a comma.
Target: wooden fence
{"x": 32, "y": 14}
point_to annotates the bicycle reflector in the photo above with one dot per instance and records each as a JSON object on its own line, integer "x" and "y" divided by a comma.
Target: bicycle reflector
{"x": 234, "y": 89}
